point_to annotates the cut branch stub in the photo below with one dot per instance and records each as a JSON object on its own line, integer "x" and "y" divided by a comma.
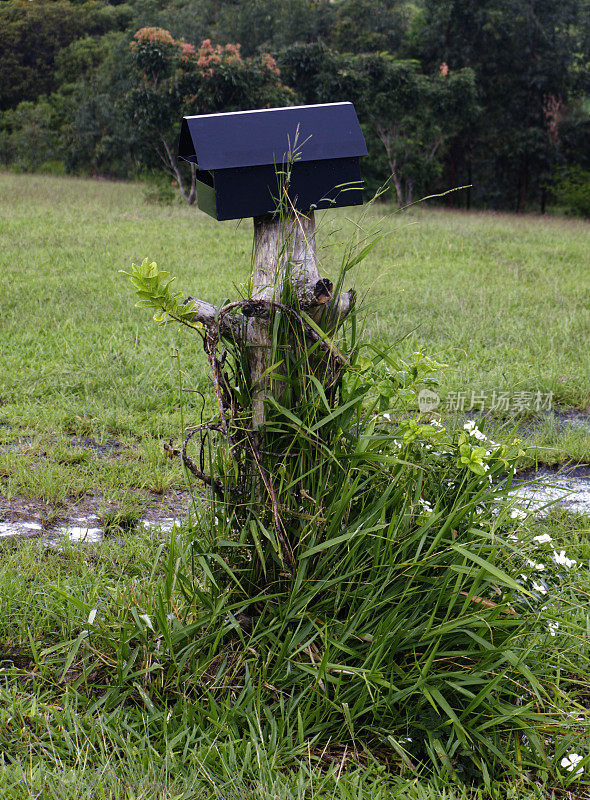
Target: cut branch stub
{"x": 208, "y": 314}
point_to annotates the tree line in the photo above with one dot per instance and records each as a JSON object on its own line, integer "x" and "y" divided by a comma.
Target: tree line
{"x": 493, "y": 95}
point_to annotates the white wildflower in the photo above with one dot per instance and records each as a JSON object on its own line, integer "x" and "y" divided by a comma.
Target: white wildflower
{"x": 518, "y": 513}
{"x": 475, "y": 432}
{"x": 387, "y": 417}
{"x": 561, "y": 559}
{"x": 571, "y": 761}
{"x": 534, "y": 565}
{"x": 538, "y": 587}
{"x": 542, "y": 538}
{"x": 553, "y": 626}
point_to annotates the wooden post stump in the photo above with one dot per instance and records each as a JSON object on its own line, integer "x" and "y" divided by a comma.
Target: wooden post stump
{"x": 285, "y": 251}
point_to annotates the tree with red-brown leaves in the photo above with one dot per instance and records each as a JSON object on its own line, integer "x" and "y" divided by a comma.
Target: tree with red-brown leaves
{"x": 173, "y": 78}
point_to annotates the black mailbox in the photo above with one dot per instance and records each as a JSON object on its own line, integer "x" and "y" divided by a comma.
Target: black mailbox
{"x": 240, "y": 155}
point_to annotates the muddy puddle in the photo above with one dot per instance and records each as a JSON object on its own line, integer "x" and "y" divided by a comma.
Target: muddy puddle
{"x": 91, "y": 520}
{"x": 86, "y": 530}
{"x": 90, "y": 531}
{"x": 565, "y": 419}
{"x": 539, "y": 491}
{"x": 111, "y": 448}
{"x": 87, "y": 521}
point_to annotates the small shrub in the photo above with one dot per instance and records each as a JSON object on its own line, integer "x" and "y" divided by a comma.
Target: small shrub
{"x": 53, "y": 167}
{"x": 354, "y": 581}
{"x": 572, "y": 191}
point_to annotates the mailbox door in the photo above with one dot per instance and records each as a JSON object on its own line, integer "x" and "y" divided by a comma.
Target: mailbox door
{"x": 206, "y": 199}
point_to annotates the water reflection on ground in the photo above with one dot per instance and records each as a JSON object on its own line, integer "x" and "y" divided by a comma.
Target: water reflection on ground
{"x": 86, "y": 530}
{"x": 569, "y": 488}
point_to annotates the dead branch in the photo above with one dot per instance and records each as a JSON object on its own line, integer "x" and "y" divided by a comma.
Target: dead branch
{"x": 208, "y": 314}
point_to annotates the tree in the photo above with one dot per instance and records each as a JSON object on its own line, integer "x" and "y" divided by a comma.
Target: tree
{"x": 413, "y": 116}
{"x": 366, "y": 26}
{"x": 34, "y": 33}
{"x": 523, "y": 53}
{"x": 408, "y": 117}
{"x": 173, "y": 78}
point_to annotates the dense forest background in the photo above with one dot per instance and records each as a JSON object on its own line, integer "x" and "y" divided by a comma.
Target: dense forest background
{"x": 494, "y": 94}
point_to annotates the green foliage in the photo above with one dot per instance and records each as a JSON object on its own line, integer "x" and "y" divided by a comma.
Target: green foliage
{"x": 368, "y": 26}
{"x": 125, "y": 720}
{"x": 402, "y": 605}
{"x": 85, "y": 125}
{"x": 152, "y": 286}
{"x": 33, "y": 34}
{"x": 526, "y": 59}
{"x": 512, "y": 107}
{"x": 355, "y": 576}
{"x": 572, "y": 192}
{"x": 408, "y": 116}
{"x": 172, "y": 78}
{"x": 28, "y": 137}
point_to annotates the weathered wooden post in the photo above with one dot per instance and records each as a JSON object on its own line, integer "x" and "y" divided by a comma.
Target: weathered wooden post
{"x": 277, "y": 165}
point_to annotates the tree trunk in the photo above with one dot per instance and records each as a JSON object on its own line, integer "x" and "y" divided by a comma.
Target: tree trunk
{"x": 284, "y": 249}
{"x": 452, "y": 173}
{"x": 524, "y": 184}
{"x": 286, "y": 271}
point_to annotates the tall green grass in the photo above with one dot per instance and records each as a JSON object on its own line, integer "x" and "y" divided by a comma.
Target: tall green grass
{"x": 403, "y": 643}
{"x": 350, "y": 575}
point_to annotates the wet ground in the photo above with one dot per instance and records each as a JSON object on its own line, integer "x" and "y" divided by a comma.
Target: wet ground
{"x": 567, "y": 487}
{"x": 564, "y": 418}
{"x": 89, "y": 520}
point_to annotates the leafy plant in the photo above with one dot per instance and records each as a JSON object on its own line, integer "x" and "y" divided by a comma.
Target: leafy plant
{"x": 352, "y": 573}
{"x": 572, "y": 191}
{"x": 153, "y": 288}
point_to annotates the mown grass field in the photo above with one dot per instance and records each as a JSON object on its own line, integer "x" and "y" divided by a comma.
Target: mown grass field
{"x": 503, "y": 301}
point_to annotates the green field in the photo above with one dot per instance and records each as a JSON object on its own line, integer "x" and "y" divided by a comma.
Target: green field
{"x": 90, "y": 391}
{"x": 504, "y": 301}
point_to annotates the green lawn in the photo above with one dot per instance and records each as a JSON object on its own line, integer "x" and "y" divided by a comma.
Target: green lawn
{"x": 502, "y": 300}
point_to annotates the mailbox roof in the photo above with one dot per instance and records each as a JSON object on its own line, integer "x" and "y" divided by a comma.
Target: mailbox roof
{"x": 264, "y": 136}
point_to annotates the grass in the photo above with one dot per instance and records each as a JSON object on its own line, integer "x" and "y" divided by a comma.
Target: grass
{"x": 502, "y": 300}
{"x": 61, "y": 738}
{"x": 89, "y": 394}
